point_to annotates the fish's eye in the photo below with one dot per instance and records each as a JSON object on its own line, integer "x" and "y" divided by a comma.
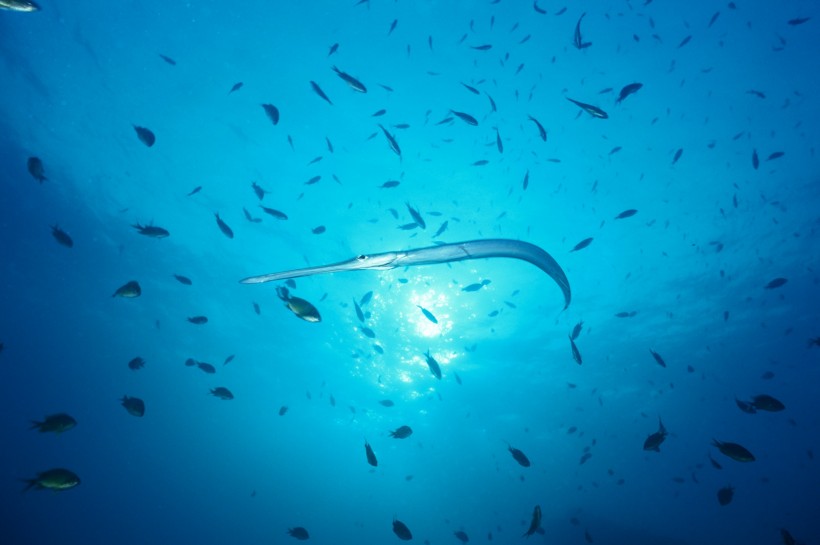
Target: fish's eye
{"x": 361, "y": 257}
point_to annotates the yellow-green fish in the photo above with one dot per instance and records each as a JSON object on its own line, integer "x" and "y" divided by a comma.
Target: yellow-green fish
{"x": 53, "y": 479}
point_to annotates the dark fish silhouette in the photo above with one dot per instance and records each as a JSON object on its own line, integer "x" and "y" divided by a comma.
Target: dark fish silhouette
{"x": 198, "y": 320}
{"x": 299, "y": 533}
{"x": 416, "y": 215}
{"x": 628, "y": 90}
{"x": 541, "y": 131}
{"x": 402, "y": 432}
{"x": 226, "y": 230}
{"x": 195, "y": 190}
{"x": 776, "y": 283}
{"x": 146, "y": 136}
{"x": 535, "y": 522}
{"x": 654, "y": 441}
{"x": 273, "y": 212}
{"x": 734, "y": 451}
{"x": 352, "y": 82}
{"x": 236, "y": 86}
{"x": 461, "y": 536}
{"x": 183, "y": 279}
{"x": 427, "y": 314}
{"x": 222, "y": 393}
{"x": 577, "y": 40}
{"x": 765, "y": 402}
{"x": 433, "y": 365}
{"x": 61, "y": 236}
{"x": 724, "y": 495}
{"x": 53, "y": 479}
{"x": 391, "y": 141}
{"x": 626, "y": 214}
{"x": 36, "y": 169}
{"x": 576, "y": 354}
{"x": 576, "y": 330}
{"x": 136, "y": 364}
{"x": 371, "y": 456}
{"x": 594, "y": 111}
{"x": 134, "y": 405}
{"x": 658, "y": 358}
{"x": 151, "y": 231}
{"x": 128, "y": 290}
{"x": 467, "y": 118}
{"x": 169, "y": 60}
{"x": 55, "y": 423}
{"x": 318, "y": 91}
{"x": 519, "y": 456}
{"x": 401, "y": 530}
{"x": 272, "y": 112}
{"x": 333, "y": 49}
{"x": 581, "y": 245}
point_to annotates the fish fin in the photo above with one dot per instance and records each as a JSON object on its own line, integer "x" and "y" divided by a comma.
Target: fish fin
{"x": 31, "y": 483}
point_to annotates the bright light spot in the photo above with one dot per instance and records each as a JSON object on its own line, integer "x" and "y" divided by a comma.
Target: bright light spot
{"x": 438, "y": 305}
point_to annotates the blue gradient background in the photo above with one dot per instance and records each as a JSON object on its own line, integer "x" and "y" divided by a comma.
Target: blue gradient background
{"x": 75, "y": 77}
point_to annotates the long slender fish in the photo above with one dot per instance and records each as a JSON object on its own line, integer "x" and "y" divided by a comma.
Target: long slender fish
{"x": 444, "y": 253}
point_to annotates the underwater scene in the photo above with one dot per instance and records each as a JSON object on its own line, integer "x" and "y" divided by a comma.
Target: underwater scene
{"x": 375, "y": 271}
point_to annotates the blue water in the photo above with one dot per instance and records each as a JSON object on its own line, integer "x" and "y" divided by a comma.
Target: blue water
{"x": 690, "y": 269}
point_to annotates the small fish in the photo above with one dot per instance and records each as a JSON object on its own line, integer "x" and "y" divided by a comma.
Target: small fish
{"x": 206, "y": 367}
{"x": 146, "y": 136}
{"x": 229, "y": 359}
{"x": 352, "y": 82}
{"x": 314, "y": 180}
{"x": 258, "y": 191}
{"x": 519, "y": 456}
{"x": 480, "y": 163}
{"x": 301, "y": 308}
{"x": 129, "y": 290}
{"x": 359, "y": 313}
{"x": 535, "y": 522}
{"x": 55, "y": 423}
{"x": 169, "y": 60}
{"x": 775, "y": 155}
{"x": 677, "y": 155}
{"x": 227, "y": 231}
{"x": 776, "y": 283}
{"x": 222, "y": 393}
{"x": 36, "y": 169}
{"x": 467, "y": 118}
{"x": 498, "y": 144}
{"x": 367, "y": 332}
{"x": 53, "y": 479}
{"x": 724, "y": 495}
{"x": 714, "y": 463}
{"x": 461, "y": 536}
{"x": 537, "y": 8}
{"x": 626, "y": 214}
{"x": 471, "y": 88}
{"x": 755, "y": 159}
{"x": 318, "y": 230}
{"x": 416, "y": 215}
{"x": 283, "y": 410}
{"x": 333, "y": 49}
{"x": 734, "y": 451}
{"x": 386, "y": 403}
{"x": 136, "y": 364}
{"x": 378, "y": 113}
{"x": 576, "y": 330}
{"x": 658, "y": 358}
{"x": 195, "y": 190}
{"x": 299, "y": 533}
{"x": 654, "y": 441}
{"x": 392, "y": 26}
{"x": 684, "y": 41}
{"x": 581, "y": 245}
{"x": 541, "y": 131}
{"x": 441, "y": 229}
{"x": 484, "y": 47}
{"x": 433, "y": 365}
{"x": 274, "y": 213}
{"x": 256, "y": 308}
{"x": 477, "y": 286}
{"x": 272, "y": 112}
{"x": 401, "y": 530}
{"x": 151, "y": 231}
{"x": 402, "y": 432}
{"x": 428, "y": 314}
{"x": 198, "y": 320}
{"x": 390, "y": 184}
{"x": 798, "y": 21}
{"x": 318, "y": 91}
{"x": 764, "y": 402}
{"x": 236, "y": 86}
{"x": 628, "y": 90}
{"x": 745, "y": 406}
{"x": 391, "y": 141}
{"x": 594, "y": 111}
{"x": 371, "y": 456}
{"x": 366, "y": 298}
{"x": 61, "y": 236}
{"x": 577, "y": 40}
{"x": 576, "y": 354}
{"x": 134, "y": 405}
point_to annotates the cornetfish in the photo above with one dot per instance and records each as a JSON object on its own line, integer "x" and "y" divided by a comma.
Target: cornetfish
{"x": 444, "y": 253}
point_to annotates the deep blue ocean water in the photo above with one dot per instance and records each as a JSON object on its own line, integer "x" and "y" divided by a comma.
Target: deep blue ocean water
{"x": 688, "y": 273}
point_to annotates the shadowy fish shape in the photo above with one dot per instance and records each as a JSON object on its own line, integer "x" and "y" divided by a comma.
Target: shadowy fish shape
{"x": 167, "y": 59}
{"x": 577, "y": 40}
{"x": 352, "y": 82}
{"x": 206, "y": 367}
{"x": 402, "y": 432}
{"x": 776, "y": 283}
{"x": 134, "y": 405}
{"x": 183, "y": 279}
{"x": 222, "y": 393}
{"x": 61, "y": 236}
{"x": 36, "y": 169}
{"x": 427, "y": 314}
{"x": 594, "y": 111}
{"x": 145, "y": 136}
{"x": 542, "y": 132}
{"x": 477, "y": 286}
{"x": 764, "y": 402}
{"x": 745, "y": 406}
{"x": 658, "y": 358}
{"x": 318, "y": 91}
{"x": 56, "y": 423}
{"x": 461, "y": 536}
{"x": 128, "y": 290}
{"x": 416, "y": 215}
{"x": 734, "y": 451}
{"x": 226, "y": 230}
{"x": 283, "y": 410}
{"x": 576, "y": 354}
{"x": 53, "y": 479}
{"x": 626, "y": 214}
{"x": 725, "y": 494}
{"x": 258, "y": 190}
{"x": 535, "y": 522}
{"x": 386, "y": 403}
{"x": 236, "y": 86}
{"x": 394, "y": 145}
{"x": 151, "y": 230}
{"x": 581, "y": 245}
{"x": 274, "y": 213}
{"x": 628, "y": 90}
{"x": 371, "y": 456}
{"x": 519, "y": 456}
{"x": 654, "y": 441}
{"x": 401, "y": 530}
{"x": 299, "y": 533}
{"x": 272, "y": 112}
{"x": 433, "y": 365}
{"x": 300, "y": 307}
{"x": 576, "y": 330}
{"x": 198, "y": 320}
{"x": 136, "y": 364}
{"x": 467, "y": 118}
